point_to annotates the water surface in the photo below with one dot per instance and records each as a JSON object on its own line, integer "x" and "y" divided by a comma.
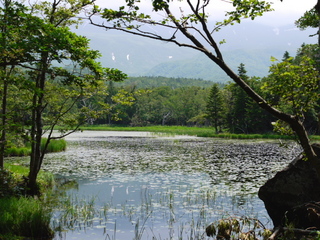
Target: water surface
{"x": 147, "y": 186}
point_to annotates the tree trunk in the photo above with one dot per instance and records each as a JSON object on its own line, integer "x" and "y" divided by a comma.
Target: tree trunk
{"x": 37, "y": 155}
{"x": 3, "y": 121}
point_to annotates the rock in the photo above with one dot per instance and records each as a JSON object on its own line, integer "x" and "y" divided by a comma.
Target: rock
{"x": 295, "y": 185}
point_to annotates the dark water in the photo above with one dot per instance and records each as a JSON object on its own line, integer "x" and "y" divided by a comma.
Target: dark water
{"x": 142, "y": 186}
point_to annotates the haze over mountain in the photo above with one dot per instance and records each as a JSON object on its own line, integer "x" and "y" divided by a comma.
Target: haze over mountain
{"x": 250, "y": 43}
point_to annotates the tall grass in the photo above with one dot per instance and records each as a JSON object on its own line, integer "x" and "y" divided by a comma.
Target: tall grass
{"x": 26, "y": 217}
{"x": 19, "y": 215}
{"x": 17, "y": 152}
{"x": 55, "y": 145}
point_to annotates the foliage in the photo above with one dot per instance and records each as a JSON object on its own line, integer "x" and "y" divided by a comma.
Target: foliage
{"x": 53, "y": 69}
{"x": 164, "y": 105}
{"x": 296, "y": 85}
{"x": 309, "y": 19}
{"x": 17, "y": 151}
{"x": 185, "y": 130}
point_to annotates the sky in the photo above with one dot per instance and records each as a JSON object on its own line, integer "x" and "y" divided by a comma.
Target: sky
{"x": 286, "y": 12}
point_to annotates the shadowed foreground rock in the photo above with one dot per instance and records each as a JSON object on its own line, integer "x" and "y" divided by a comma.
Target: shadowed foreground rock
{"x": 294, "y": 186}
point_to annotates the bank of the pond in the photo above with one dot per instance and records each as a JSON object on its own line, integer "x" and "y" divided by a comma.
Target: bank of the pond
{"x": 24, "y": 217}
{"x": 192, "y": 131}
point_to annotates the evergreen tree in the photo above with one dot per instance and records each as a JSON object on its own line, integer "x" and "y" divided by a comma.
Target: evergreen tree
{"x": 215, "y": 107}
{"x": 286, "y": 56}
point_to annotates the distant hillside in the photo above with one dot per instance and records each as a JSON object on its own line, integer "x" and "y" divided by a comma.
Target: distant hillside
{"x": 250, "y": 43}
{"x": 256, "y": 62}
{"x": 153, "y": 82}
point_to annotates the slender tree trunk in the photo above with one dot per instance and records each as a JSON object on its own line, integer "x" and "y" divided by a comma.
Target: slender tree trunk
{"x": 216, "y": 124}
{"x": 3, "y": 121}
{"x": 37, "y": 155}
{"x": 4, "y": 93}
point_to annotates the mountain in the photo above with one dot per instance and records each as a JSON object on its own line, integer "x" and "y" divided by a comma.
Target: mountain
{"x": 256, "y": 62}
{"x": 250, "y": 43}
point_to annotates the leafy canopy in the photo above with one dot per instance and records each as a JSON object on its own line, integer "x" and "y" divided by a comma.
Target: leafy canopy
{"x": 296, "y": 85}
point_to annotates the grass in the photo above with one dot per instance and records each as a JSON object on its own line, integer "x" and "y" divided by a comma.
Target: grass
{"x": 28, "y": 217}
{"x": 184, "y": 130}
{"x": 16, "y": 151}
{"x": 55, "y": 145}
{"x": 20, "y": 215}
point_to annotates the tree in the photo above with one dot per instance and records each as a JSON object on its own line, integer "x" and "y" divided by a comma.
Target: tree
{"x": 45, "y": 47}
{"x": 297, "y": 86}
{"x": 243, "y": 114}
{"x": 286, "y": 56}
{"x": 311, "y": 19}
{"x": 215, "y": 110}
{"x": 190, "y": 28}
{"x": 153, "y": 106}
{"x": 15, "y": 49}
{"x": 237, "y": 117}
{"x": 187, "y": 102}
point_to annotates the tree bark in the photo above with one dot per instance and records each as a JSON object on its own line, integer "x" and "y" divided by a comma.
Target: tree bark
{"x": 3, "y": 121}
{"x": 37, "y": 155}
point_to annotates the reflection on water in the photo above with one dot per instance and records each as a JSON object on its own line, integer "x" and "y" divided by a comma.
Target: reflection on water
{"x": 150, "y": 187}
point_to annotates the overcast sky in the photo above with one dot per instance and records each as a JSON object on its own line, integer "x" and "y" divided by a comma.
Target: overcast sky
{"x": 286, "y": 12}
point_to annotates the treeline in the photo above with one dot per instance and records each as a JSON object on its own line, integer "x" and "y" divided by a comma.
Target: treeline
{"x": 159, "y": 81}
{"x": 224, "y": 106}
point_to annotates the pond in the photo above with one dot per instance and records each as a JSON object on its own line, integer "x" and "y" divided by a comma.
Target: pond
{"x": 155, "y": 186}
